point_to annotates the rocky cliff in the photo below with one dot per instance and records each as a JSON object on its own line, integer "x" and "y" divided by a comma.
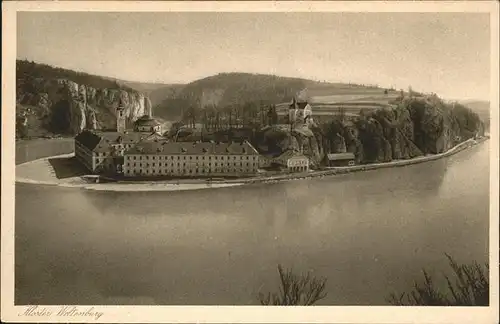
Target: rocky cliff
{"x": 417, "y": 126}
{"x": 65, "y": 106}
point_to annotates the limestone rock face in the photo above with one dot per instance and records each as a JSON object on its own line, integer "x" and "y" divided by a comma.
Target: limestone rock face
{"x": 42, "y": 100}
{"x": 437, "y": 126}
{"x": 72, "y": 107}
{"x": 417, "y": 126}
{"x": 91, "y": 120}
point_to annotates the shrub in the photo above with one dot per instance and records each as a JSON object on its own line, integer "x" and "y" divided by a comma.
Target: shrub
{"x": 302, "y": 289}
{"x": 470, "y": 287}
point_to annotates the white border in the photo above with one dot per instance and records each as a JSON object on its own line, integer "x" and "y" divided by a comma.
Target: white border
{"x": 240, "y": 314}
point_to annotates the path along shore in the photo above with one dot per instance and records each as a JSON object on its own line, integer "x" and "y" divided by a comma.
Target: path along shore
{"x": 39, "y": 172}
{"x": 373, "y": 166}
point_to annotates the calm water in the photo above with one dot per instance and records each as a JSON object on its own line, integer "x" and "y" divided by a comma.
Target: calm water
{"x": 369, "y": 233}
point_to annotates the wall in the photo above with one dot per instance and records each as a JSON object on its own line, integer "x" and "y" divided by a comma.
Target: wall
{"x": 340, "y": 162}
{"x": 189, "y": 165}
{"x": 41, "y": 148}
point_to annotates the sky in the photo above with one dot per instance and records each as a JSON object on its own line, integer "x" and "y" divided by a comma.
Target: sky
{"x": 445, "y": 53}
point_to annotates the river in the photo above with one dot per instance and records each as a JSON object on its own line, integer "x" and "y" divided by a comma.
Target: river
{"x": 368, "y": 233}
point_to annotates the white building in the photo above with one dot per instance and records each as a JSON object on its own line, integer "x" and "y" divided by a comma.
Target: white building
{"x": 300, "y": 112}
{"x": 102, "y": 152}
{"x": 190, "y": 159}
{"x": 147, "y": 124}
{"x": 292, "y": 160}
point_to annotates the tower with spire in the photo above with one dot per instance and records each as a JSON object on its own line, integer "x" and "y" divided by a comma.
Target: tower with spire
{"x": 120, "y": 117}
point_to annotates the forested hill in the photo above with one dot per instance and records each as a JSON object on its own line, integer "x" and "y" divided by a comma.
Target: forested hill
{"x": 481, "y": 107}
{"x": 26, "y": 71}
{"x": 233, "y": 89}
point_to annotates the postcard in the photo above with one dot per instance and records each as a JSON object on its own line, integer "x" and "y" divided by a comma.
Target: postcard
{"x": 250, "y": 162}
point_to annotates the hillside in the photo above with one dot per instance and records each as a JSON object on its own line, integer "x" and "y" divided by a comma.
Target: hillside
{"x": 51, "y": 100}
{"x": 239, "y": 89}
{"x": 481, "y": 107}
{"x": 156, "y": 92}
{"x": 159, "y": 94}
{"x": 380, "y": 124}
{"x": 416, "y": 126}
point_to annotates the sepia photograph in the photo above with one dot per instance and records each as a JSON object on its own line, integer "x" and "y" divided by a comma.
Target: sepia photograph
{"x": 252, "y": 156}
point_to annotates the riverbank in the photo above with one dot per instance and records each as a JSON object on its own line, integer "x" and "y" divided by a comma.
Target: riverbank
{"x": 43, "y": 171}
{"x": 367, "y": 167}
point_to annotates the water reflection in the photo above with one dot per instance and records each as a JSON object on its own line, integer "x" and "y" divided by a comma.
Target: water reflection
{"x": 369, "y": 233}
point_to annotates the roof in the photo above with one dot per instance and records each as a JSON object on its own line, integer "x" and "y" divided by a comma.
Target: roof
{"x": 100, "y": 141}
{"x": 163, "y": 147}
{"x": 146, "y": 121}
{"x": 290, "y": 154}
{"x": 88, "y": 139}
{"x": 299, "y": 105}
{"x": 340, "y": 156}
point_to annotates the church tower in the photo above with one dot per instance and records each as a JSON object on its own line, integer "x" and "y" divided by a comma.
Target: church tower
{"x": 120, "y": 118}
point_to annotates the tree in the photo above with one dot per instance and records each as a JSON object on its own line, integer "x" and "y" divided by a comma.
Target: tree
{"x": 470, "y": 288}
{"x": 272, "y": 115}
{"x": 303, "y": 289}
{"x": 341, "y": 114}
{"x": 274, "y": 119}
{"x": 410, "y": 91}
{"x": 363, "y": 113}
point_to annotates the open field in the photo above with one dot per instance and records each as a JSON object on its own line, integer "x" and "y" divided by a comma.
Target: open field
{"x": 351, "y": 100}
